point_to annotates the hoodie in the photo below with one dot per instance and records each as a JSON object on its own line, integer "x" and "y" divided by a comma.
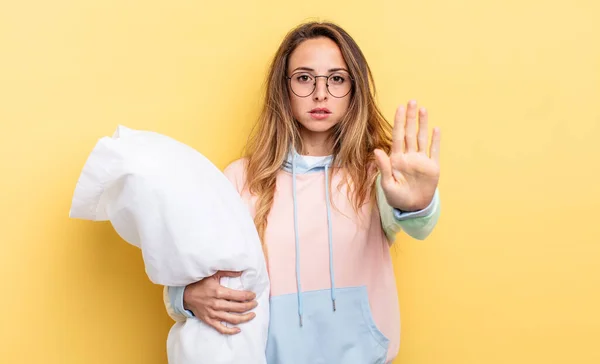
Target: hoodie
{"x": 333, "y": 290}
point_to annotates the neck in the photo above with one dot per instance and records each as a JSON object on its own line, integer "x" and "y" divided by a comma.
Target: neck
{"x": 316, "y": 143}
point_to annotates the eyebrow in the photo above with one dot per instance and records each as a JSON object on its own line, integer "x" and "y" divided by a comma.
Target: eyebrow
{"x": 312, "y": 70}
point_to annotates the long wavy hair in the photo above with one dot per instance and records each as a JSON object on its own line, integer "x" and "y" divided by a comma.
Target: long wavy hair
{"x": 361, "y": 130}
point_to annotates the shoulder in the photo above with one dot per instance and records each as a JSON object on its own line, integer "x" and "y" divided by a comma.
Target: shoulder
{"x": 236, "y": 173}
{"x": 235, "y": 167}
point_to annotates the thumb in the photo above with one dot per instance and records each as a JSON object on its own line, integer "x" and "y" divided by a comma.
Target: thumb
{"x": 384, "y": 165}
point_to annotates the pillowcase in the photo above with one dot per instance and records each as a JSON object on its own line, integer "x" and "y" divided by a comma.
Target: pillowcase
{"x": 170, "y": 201}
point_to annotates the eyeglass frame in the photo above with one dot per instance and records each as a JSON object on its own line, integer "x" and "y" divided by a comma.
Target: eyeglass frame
{"x": 326, "y": 84}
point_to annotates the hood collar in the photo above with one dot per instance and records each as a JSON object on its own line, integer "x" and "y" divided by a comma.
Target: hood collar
{"x": 303, "y": 166}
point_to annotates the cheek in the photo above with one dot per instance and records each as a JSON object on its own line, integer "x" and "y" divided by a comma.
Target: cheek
{"x": 342, "y": 105}
{"x": 345, "y": 103}
{"x": 297, "y": 106}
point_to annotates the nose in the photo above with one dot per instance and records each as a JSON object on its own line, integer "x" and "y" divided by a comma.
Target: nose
{"x": 320, "y": 93}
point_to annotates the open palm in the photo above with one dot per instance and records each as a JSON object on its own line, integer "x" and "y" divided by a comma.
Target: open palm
{"x": 410, "y": 174}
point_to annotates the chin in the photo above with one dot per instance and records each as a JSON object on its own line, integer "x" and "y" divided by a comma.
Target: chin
{"x": 316, "y": 126}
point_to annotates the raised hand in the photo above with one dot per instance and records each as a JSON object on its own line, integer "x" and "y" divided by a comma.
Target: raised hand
{"x": 410, "y": 174}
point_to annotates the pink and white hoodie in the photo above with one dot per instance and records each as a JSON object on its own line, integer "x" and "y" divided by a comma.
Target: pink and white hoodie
{"x": 333, "y": 290}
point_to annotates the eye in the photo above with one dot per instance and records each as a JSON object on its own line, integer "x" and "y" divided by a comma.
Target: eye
{"x": 304, "y": 78}
{"x": 337, "y": 79}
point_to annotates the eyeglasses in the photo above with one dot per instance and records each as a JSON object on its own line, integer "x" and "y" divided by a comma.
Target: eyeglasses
{"x": 303, "y": 84}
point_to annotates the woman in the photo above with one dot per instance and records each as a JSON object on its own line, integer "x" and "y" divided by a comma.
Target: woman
{"x": 325, "y": 216}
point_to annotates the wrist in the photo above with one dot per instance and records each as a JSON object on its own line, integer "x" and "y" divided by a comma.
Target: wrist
{"x": 407, "y": 209}
{"x": 184, "y": 299}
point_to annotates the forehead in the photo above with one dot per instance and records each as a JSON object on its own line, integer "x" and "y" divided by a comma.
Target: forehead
{"x": 320, "y": 54}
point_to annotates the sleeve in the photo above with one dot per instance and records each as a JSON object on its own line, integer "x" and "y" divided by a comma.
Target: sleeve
{"x": 173, "y": 299}
{"x": 417, "y": 224}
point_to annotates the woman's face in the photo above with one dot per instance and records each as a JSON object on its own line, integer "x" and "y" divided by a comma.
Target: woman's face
{"x": 318, "y": 111}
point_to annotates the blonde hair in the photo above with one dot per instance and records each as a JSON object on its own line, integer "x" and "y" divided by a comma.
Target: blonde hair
{"x": 361, "y": 130}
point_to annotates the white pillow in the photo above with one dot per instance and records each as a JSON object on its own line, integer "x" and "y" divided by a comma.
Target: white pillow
{"x": 189, "y": 222}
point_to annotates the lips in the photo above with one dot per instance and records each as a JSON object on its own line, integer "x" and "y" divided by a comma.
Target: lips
{"x": 320, "y": 110}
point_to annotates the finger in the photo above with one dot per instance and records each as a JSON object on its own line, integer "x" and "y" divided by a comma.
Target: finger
{"x": 434, "y": 150}
{"x": 384, "y": 165}
{"x": 234, "y": 318}
{"x": 411, "y": 127}
{"x": 225, "y": 293}
{"x": 398, "y": 131}
{"x": 226, "y": 273}
{"x": 231, "y": 306}
{"x": 423, "y": 130}
{"x": 217, "y": 325}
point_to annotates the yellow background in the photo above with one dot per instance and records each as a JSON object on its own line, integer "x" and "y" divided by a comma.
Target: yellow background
{"x": 510, "y": 275}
